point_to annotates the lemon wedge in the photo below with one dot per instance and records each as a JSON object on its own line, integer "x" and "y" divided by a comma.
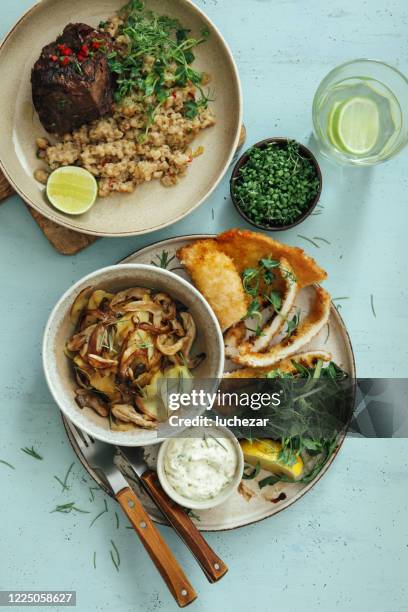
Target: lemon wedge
{"x": 354, "y": 125}
{"x": 72, "y": 190}
{"x": 267, "y": 453}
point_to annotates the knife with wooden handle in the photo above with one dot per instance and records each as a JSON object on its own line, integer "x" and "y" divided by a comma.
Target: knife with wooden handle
{"x": 101, "y": 457}
{"x": 156, "y": 547}
{"x": 211, "y": 564}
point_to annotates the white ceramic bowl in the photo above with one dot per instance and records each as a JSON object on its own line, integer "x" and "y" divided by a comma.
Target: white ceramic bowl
{"x": 58, "y": 369}
{"x": 216, "y": 431}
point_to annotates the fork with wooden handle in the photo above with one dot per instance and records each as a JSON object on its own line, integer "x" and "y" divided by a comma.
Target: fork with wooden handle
{"x": 101, "y": 457}
{"x": 213, "y": 567}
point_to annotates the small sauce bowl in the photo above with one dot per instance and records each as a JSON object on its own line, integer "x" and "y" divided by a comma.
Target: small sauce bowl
{"x": 280, "y": 143}
{"x": 215, "y": 431}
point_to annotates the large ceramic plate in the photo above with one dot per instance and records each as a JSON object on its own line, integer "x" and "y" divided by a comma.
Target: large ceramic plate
{"x": 151, "y": 206}
{"x": 237, "y": 511}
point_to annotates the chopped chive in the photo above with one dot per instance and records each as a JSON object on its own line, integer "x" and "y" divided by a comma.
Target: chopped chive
{"x": 7, "y": 463}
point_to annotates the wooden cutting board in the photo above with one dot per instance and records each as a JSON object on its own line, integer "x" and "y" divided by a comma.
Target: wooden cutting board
{"x": 64, "y": 240}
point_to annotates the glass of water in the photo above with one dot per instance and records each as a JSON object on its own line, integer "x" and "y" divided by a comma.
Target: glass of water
{"x": 360, "y": 112}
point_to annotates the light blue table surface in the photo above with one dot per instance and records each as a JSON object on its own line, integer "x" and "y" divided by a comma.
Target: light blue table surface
{"x": 345, "y": 545}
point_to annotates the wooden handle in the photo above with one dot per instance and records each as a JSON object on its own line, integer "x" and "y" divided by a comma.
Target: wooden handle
{"x": 213, "y": 567}
{"x": 157, "y": 548}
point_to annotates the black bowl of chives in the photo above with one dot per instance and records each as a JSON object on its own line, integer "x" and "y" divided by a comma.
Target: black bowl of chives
{"x": 276, "y": 184}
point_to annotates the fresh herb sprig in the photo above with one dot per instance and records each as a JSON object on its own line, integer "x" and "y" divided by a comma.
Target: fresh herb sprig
{"x": 64, "y": 483}
{"x": 257, "y": 284}
{"x": 32, "y": 453}
{"x": 158, "y": 59}
{"x": 68, "y": 508}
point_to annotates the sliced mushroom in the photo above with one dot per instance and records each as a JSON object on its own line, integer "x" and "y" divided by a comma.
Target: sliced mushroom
{"x": 191, "y": 332}
{"x": 127, "y": 414}
{"x": 80, "y": 304}
{"x": 101, "y": 363}
{"x": 128, "y": 294}
{"x": 87, "y": 399}
{"x": 169, "y": 349}
{"x": 152, "y": 329}
{"x": 78, "y": 341}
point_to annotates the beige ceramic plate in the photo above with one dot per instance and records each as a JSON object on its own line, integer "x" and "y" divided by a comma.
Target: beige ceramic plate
{"x": 151, "y": 206}
{"x": 237, "y": 511}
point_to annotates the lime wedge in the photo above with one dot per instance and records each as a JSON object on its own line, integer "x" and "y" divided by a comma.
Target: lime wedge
{"x": 72, "y": 190}
{"x": 354, "y": 125}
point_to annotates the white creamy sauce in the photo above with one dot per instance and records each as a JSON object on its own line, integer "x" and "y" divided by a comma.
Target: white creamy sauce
{"x": 200, "y": 468}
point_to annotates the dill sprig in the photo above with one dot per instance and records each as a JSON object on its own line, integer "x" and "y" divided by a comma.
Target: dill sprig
{"x": 64, "y": 482}
{"x": 68, "y": 508}
{"x": 372, "y": 305}
{"x": 115, "y": 556}
{"x": 32, "y": 453}
{"x": 104, "y": 511}
{"x": 309, "y": 240}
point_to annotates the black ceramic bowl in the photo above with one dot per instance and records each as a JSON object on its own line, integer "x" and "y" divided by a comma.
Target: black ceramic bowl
{"x": 280, "y": 143}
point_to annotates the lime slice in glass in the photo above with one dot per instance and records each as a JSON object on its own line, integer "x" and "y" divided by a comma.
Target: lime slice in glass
{"x": 354, "y": 125}
{"x": 72, "y": 190}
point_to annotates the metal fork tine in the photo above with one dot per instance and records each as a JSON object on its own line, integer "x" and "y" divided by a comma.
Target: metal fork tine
{"x": 79, "y": 436}
{"x": 86, "y": 437}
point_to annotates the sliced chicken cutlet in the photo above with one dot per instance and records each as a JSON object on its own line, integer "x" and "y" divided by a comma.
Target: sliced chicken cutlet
{"x": 216, "y": 277}
{"x": 308, "y": 328}
{"x": 307, "y": 360}
{"x": 246, "y": 248}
